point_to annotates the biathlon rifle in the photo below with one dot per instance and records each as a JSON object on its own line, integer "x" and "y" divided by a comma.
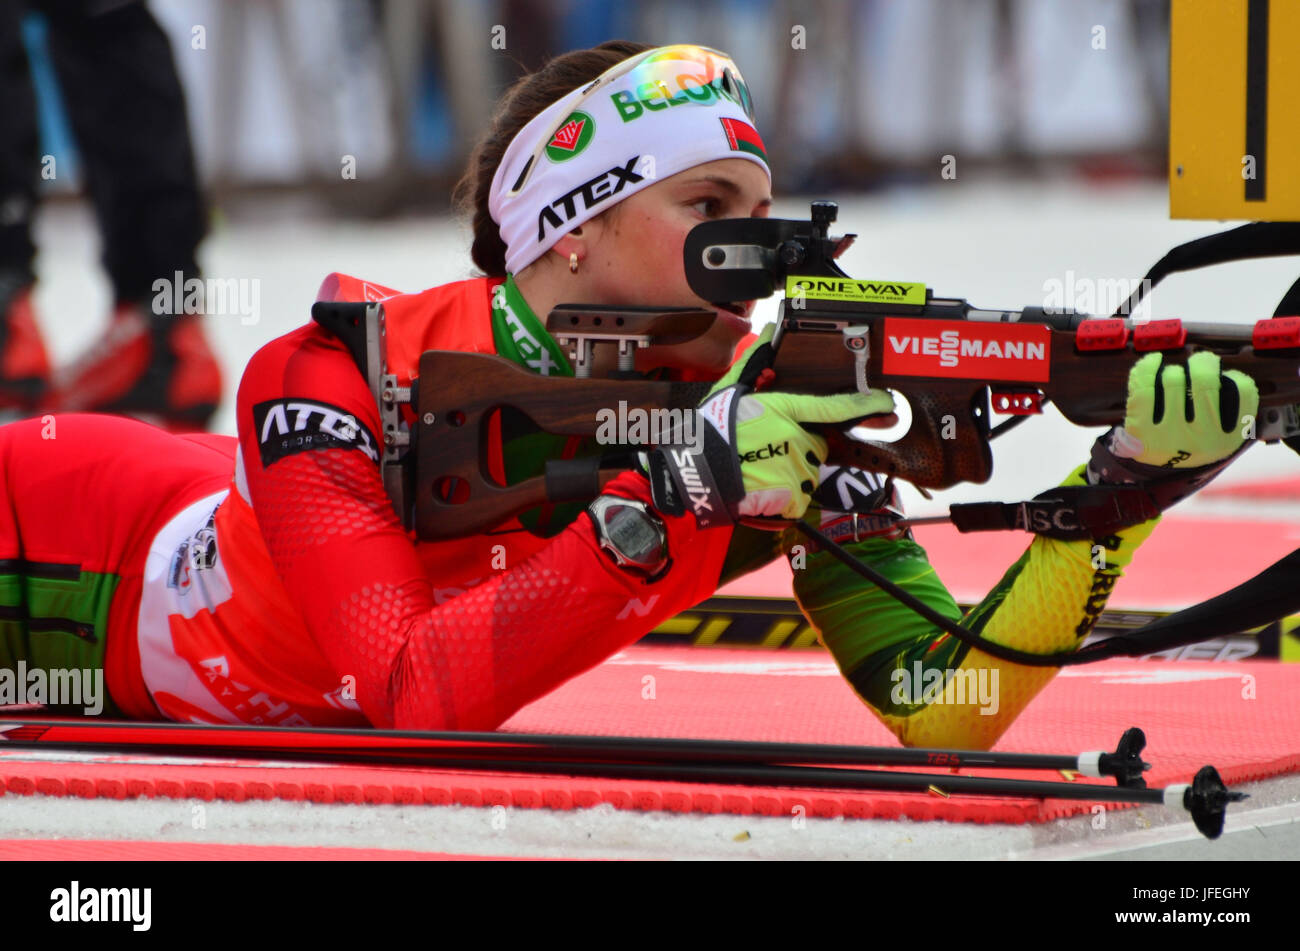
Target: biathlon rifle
{"x": 953, "y": 362}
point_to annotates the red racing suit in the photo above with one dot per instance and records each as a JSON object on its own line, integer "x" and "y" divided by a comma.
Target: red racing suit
{"x": 294, "y": 596}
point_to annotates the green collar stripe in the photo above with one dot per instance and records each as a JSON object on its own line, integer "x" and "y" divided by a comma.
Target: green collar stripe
{"x": 520, "y": 337}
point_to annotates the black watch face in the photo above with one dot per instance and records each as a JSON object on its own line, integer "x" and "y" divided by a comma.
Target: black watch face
{"x": 632, "y": 534}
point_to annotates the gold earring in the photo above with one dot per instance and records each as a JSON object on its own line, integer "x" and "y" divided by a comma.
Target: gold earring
{"x": 573, "y": 262}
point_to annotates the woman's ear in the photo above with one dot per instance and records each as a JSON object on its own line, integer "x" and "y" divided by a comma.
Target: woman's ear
{"x": 578, "y": 241}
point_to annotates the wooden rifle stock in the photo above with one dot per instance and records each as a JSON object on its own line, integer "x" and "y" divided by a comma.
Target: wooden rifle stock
{"x": 456, "y": 493}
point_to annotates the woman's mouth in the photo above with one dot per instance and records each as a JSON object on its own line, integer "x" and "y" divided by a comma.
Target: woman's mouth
{"x": 737, "y": 313}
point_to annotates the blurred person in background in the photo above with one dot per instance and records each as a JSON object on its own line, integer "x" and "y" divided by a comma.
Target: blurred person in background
{"x": 127, "y": 111}
{"x": 267, "y": 578}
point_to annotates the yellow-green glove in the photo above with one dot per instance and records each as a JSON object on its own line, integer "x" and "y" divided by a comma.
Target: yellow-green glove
{"x": 1174, "y": 424}
{"x": 1181, "y": 429}
{"x": 752, "y": 457}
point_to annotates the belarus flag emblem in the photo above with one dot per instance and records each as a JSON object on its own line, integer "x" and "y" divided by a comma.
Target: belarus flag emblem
{"x": 743, "y": 137}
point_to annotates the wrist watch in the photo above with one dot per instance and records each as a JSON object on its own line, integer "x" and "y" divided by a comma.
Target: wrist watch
{"x": 631, "y": 534}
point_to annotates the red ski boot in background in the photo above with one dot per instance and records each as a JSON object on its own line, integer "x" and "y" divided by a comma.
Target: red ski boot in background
{"x": 24, "y": 365}
{"x": 160, "y": 370}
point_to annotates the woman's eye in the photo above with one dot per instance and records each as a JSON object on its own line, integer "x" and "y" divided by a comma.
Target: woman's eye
{"x": 708, "y": 207}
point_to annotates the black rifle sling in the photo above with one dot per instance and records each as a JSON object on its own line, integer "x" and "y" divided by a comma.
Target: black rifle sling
{"x": 1273, "y": 593}
{"x": 1259, "y": 239}
{"x": 1289, "y": 305}
{"x": 1070, "y": 512}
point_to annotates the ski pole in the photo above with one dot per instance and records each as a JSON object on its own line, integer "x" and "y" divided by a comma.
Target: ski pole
{"x": 384, "y": 747}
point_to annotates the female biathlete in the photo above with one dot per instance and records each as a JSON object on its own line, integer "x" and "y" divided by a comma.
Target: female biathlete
{"x": 267, "y": 579}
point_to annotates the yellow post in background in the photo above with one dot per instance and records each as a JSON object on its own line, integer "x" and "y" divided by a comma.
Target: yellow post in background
{"x": 1234, "y": 110}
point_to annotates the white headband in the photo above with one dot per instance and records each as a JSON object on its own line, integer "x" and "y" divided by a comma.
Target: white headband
{"x": 616, "y": 135}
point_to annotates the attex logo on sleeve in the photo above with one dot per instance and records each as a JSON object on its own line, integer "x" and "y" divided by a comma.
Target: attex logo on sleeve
{"x": 288, "y": 426}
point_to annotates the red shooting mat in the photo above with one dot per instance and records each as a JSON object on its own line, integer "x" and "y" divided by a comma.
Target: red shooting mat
{"x": 1237, "y": 716}
{"x": 1282, "y": 490}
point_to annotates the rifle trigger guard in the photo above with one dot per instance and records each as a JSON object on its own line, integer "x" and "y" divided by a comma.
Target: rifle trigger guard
{"x": 858, "y": 342}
